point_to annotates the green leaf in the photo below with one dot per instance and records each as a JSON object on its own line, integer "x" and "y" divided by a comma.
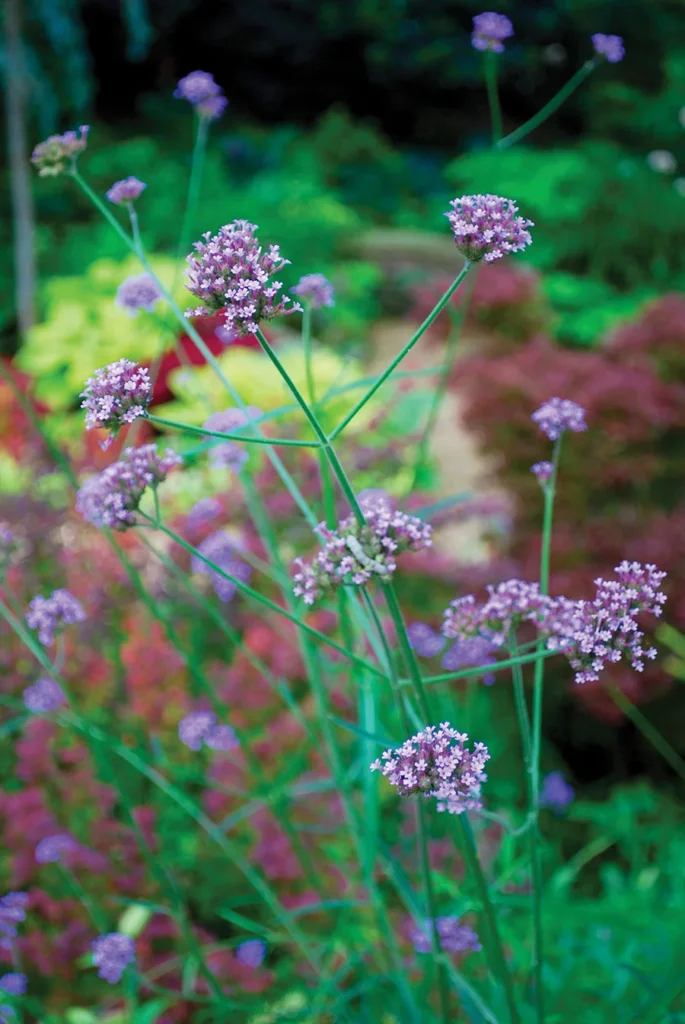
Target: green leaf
{"x": 381, "y": 740}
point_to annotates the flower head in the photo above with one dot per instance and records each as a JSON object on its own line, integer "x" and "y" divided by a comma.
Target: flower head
{"x": 52, "y": 848}
{"x": 251, "y": 953}
{"x": 44, "y": 695}
{"x": 12, "y": 913}
{"x": 230, "y": 455}
{"x": 197, "y": 87}
{"x": 610, "y": 47}
{"x": 14, "y": 983}
{"x": 544, "y": 471}
{"x": 315, "y": 289}
{"x": 200, "y": 727}
{"x": 474, "y": 650}
{"x": 453, "y": 937}
{"x": 230, "y": 271}
{"x": 116, "y": 395}
{"x": 489, "y": 29}
{"x": 424, "y": 640}
{"x": 125, "y": 191}
{"x": 556, "y": 793}
{"x": 59, "y": 152}
{"x": 212, "y": 108}
{"x": 509, "y": 604}
{"x": 111, "y": 955}
{"x": 486, "y": 227}
{"x": 112, "y": 497}
{"x": 225, "y": 554}
{"x": 355, "y": 553}
{"x": 437, "y": 763}
{"x": 559, "y": 414}
{"x": 50, "y": 614}
{"x": 138, "y": 292}
{"x": 203, "y": 512}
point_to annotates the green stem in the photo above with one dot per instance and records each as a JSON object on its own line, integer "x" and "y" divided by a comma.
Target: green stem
{"x": 443, "y": 988}
{"x": 193, "y": 196}
{"x": 407, "y": 348}
{"x": 490, "y": 61}
{"x": 549, "y": 108}
{"x": 307, "y": 346}
{"x": 231, "y": 437}
{"x": 494, "y": 942}
{"x": 443, "y": 381}
{"x": 479, "y": 670}
{"x": 649, "y": 731}
{"x": 532, "y": 835}
{"x": 82, "y": 896}
{"x": 407, "y": 651}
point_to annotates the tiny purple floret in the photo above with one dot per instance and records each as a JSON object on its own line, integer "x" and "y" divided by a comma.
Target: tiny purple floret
{"x": 544, "y": 471}
{"x": 556, "y": 793}
{"x": 489, "y": 29}
{"x": 559, "y": 414}
{"x": 609, "y": 47}
{"x": 138, "y": 292}
{"x": 251, "y": 953}
{"x": 452, "y": 936}
{"x": 197, "y": 87}
{"x": 315, "y": 289}
{"x": 44, "y": 695}
{"x": 200, "y": 727}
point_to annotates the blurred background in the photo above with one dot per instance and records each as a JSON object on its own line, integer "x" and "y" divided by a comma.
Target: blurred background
{"x": 351, "y": 124}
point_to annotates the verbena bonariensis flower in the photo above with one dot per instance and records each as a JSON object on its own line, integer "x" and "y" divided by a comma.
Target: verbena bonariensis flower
{"x": 544, "y": 471}
{"x": 53, "y": 848}
{"x": 112, "y": 497}
{"x": 224, "y": 553}
{"x": 201, "y": 727}
{"x": 12, "y": 913}
{"x": 315, "y": 289}
{"x": 610, "y": 47}
{"x": 251, "y": 952}
{"x": 212, "y": 108}
{"x": 59, "y": 152}
{"x": 138, "y": 292}
{"x": 14, "y": 984}
{"x": 489, "y": 29}
{"x": 203, "y": 512}
{"x": 453, "y": 937}
{"x": 474, "y": 650}
{"x": 557, "y": 415}
{"x": 44, "y": 695}
{"x": 231, "y": 272}
{"x": 111, "y": 955}
{"x": 355, "y": 553}
{"x": 436, "y": 763}
{"x": 126, "y": 191}
{"x": 116, "y": 395}
{"x": 556, "y": 793}
{"x": 50, "y": 614}
{"x": 592, "y": 633}
{"x": 509, "y": 604}
{"x": 230, "y": 454}
{"x": 486, "y": 227}
{"x": 196, "y": 87}
{"x": 424, "y": 640}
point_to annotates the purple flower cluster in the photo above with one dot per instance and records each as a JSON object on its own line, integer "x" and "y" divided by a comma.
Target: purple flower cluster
{"x": 588, "y": 633}
{"x": 355, "y": 553}
{"x": 436, "y": 763}
{"x": 486, "y": 227}
{"x": 50, "y": 614}
{"x": 610, "y": 47}
{"x": 489, "y": 29}
{"x": 203, "y": 93}
{"x": 475, "y": 650}
{"x": 230, "y": 455}
{"x": 126, "y": 191}
{"x": 14, "y": 984}
{"x": 251, "y": 953}
{"x": 557, "y": 415}
{"x": 201, "y": 727}
{"x": 44, "y": 695}
{"x": 111, "y": 955}
{"x": 116, "y": 395}
{"x": 138, "y": 292}
{"x": 544, "y": 471}
{"x": 53, "y": 848}
{"x": 224, "y": 553}
{"x": 453, "y": 937}
{"x": 509, "y": 604}
{"x": 592, "y": 633}
{"x": 12, "y": 913}
{"x": 229, "y": 271}
{"x": 315, "y": 289}
{"x": 112, "y": 497}
{"x": 203, "y": 512}
{"x": 59, "y": 152}
{"x": 556, "y": 793}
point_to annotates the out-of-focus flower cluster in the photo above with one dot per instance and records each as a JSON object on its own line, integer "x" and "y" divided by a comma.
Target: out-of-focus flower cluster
{"x": 59, "y": 152}
{"x": 113, "y": 497}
